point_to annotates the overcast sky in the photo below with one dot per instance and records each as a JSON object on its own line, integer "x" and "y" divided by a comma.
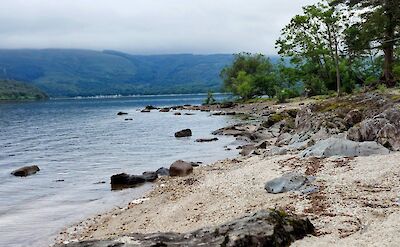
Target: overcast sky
{"x": 147, "y": 26}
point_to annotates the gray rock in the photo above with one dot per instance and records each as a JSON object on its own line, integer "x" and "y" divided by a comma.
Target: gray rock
{"x": 288, "y": 182}
{"x": 122, "y": 113}
{"x": 123, "y": 180}
{"x": 150, "y": 176}
{"x": 180, "y": 168}
{"x": 264, "y": 228}
{"x": 166, "y": 109}
{"x": 162, "y": 171}
{"x": 25, "y": 171}
{"x": 183, "y": 133}
{"x": 207, "y": 139}
{"x": 342, "y": 147}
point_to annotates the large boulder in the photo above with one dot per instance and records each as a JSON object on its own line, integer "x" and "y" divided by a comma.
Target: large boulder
{"x": 183, "y": 133}
{"x": 342, "y": 147}
{"x": 25, "y": 171}
{"x": 180, "y": 168}
{"x": 123, "y": 179}
{"x": 264, "y": 228}
{"x": 288, "y": 182}
{"x": 384, "y": 128}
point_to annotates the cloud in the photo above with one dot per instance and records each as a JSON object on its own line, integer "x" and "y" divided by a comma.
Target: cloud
{"x": 147, "y": 26}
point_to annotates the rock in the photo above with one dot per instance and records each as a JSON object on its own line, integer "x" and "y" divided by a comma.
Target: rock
{"x": 353, "y": 117}
{"x": 150, "y": 107}
{"x": 177, "y": 113}
{"x": 25, "y": 171}
{"x": 183, "y": 133}
{"x": 247, "y": 149}
{"x": 164, "y": 110}
{"x": 288, "y": 182}
{"x": 264, "y": 228}
{"x": 232, "y": 113}
{"x": 150, "y": 176}
{"x": 342, "y": 147}
{"x": 128, "y": 119}
{"x": 122, "y": 113}
{"x": 145, "y": 110}
{"x": 384, "y": 128}
{"x": 227, "y": 105}
{"x": 207, "y": 139}
{"x": 276, "y": 151}
{"x": 262, "y": 145}
{"x": 180, "y": 168}
{"x": 162, "y": 171}
{"x": 283, "y": 139}
{"x": 123, "y": 180}
{"x": 189, "y": 114}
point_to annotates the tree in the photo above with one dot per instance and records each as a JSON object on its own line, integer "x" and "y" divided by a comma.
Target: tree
{"x": 250, "y": 75}
{"x": 377, "y": 26}
{"x": 210, "y": 98}
{"x": 313, "y": 42}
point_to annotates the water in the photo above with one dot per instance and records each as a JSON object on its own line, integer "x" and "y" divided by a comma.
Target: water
{"x": 83, "y": 142}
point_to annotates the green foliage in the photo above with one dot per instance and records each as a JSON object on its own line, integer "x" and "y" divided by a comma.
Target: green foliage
{"x": 61, "y": 72}
{"x": 382, "y": 88}
{"x": 13, "y": 90}
{"x": 250, "y": 75}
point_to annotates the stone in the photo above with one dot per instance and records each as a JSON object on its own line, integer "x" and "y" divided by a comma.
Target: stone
{"x": 123, "y": 180}
{"x": 288, "y": 182}
{"x": 150, "y": 107}
{"x": 25, "y": 171}
{"x": 183, "y": 133}
{"x": 150, "y": 176}
{"x": 128, "y": 119}
{"x": 177, "y": 113}
{"x": 264, "y": 228}
{"x": 247, "y": 149}
{"x": 162, "y": 171}
{"x": 353, "y": 117}
{"x": 122, "y": 113}
{"x": 342, "y": 147}
{"x": 145, "y": 110}
{"x": 164, "y": 110}
{"x": 207, "y": 139}
{"x": 180, "y": 168}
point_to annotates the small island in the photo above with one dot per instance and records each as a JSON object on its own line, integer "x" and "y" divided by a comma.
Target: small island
{"x": 15, "y": 90}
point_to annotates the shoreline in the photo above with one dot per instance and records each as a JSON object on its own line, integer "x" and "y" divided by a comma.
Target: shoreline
{"x": 355, "y": 199}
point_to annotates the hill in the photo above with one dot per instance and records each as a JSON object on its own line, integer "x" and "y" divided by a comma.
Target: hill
{"x": 65, "y": 72}
{"x": 13, "y": 90}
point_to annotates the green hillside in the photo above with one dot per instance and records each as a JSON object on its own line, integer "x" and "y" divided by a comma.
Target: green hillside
{"x": 13, "y": 90}
{"x": 62, "y": 72}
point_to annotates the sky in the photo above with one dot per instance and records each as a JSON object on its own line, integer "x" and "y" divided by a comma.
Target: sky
{"x": 147, "y": 26}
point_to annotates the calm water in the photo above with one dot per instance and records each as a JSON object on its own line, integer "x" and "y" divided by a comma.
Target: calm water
{"x": 84, "y": 142}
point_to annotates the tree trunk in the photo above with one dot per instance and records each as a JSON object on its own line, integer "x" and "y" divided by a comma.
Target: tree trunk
{"x": 388, "y": 77}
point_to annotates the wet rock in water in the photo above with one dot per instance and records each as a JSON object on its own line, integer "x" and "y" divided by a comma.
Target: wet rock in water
{"x": 180, "y": 168}
{"x": 288, "y": 182}
{"x": 165, "y": 109}
{"x": 162, "y": 171}
{"x": 218, "y": 113}
{"x": 150, "y": 107}
{"x": 124, "y": 180}
{"x": 25, "y": 171}
{"x": 177, "y": 113}
{"x": 342, "y": 147}
{"x": 122, "y": 113}
{"x": 264, "y": 228}
{"x": 145, "y": 110}
{"x": 183, "y": 133}
{"x": 189, "y": 114}
{"x": 207, "y": 139}
{"x": 150, "y": 176}
{"x": 232, "y": 113}
{"x": 128, "y": 119}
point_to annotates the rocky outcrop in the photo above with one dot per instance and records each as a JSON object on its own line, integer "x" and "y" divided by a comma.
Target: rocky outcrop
{"x": 180, "y": 168}
{"x": 207, "y": 139}
{"x": 289, "y": 182}
{"x": 25, "y": 171}
{"x": 264, "y": 228}
{"x": 384, "y": 128}
{"x": 165, "y": 109}
{"x": 342, "y": 147}
{"x": 183, "y": 133}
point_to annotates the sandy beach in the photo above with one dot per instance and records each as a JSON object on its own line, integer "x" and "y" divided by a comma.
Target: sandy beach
{"x": 357, "y": 203}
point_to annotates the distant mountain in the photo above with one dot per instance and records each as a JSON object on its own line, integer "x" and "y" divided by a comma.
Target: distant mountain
{"x": 14, "y": 90}
{"x": 65, "y": 72}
